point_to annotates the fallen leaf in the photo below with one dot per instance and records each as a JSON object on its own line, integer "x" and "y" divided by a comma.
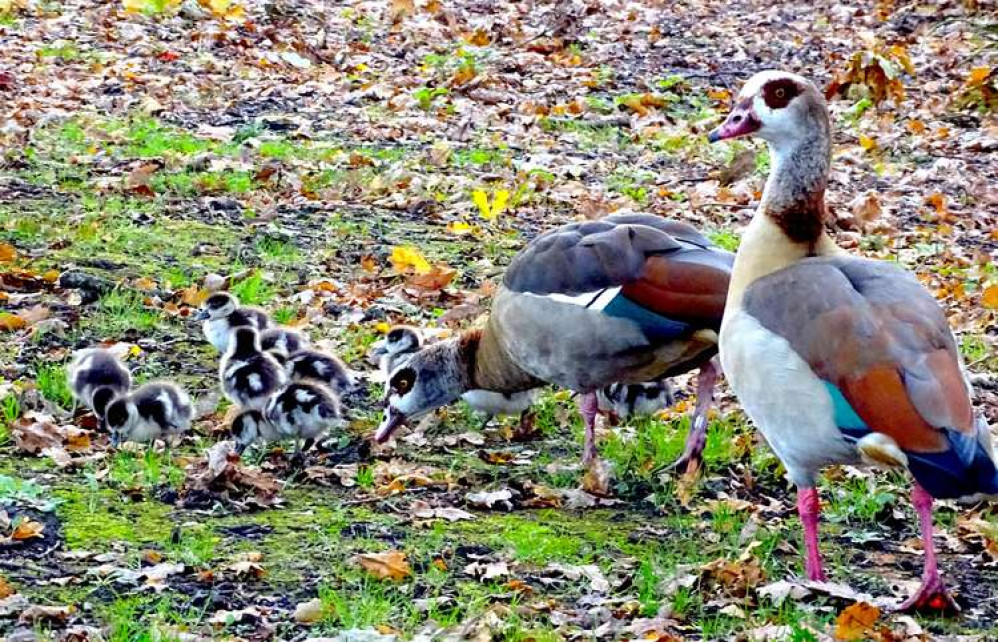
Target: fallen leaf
{"x": 309, "y": 612}
{"x": 989, "y": 297}
{"x": 488, "y": 499}
{"x": 35, "y": 614}
{"x": 6, "y": 590}
{"x": 389, "y": 565}
{"x": 7, "y": 253}
{"x": 27, "y": 529}
{"x": 855, "y": 621}
{"x": 406, "y": 257}
{"x": 11, "y": 322}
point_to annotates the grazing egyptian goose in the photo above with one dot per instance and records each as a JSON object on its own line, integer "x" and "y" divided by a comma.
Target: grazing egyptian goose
{"x": 403, "y": 341}
{"x": 151, "y": 411}
{"x": 95, "y": 377}
{"x": 221, "y": 314}
{"x": 840, "y": 359}
{"x": 629, "y": 298}
{"x": 248, "y": 375}
{"x": 320, "y": 366}
{"x": 282, "y": 342}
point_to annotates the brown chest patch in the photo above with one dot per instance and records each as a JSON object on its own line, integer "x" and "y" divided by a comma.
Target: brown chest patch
{"x": 802, "y": 221}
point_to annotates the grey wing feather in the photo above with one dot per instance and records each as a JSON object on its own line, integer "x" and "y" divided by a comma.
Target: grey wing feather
{"x": 593, "y": 255}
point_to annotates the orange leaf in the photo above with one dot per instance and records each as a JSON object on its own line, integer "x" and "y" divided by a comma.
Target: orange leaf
{"x": 11, "y": 322}
{"x": 479, "y": 38}
{"x": 855, "y": 620}
{"x": 436, "y": 279}
{"x": 978, "y": 75}
{"x": 990, "y": 297}
{"x": 390, "y": 565}
{"x": 27, "y": 529}
{"x": 7, "y": 253}
{"x": 6, "y": 590}
{"x": 938, "y": 201}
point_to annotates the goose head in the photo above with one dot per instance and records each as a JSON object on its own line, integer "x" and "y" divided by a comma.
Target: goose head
{"x": 401, "y": 339}
{"x": 217, "y": 306}
{"x": 776, "y": 106}
{"x": 429, "y": 379}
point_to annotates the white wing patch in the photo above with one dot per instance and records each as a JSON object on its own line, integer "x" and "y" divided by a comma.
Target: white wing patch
{"x": 596, "y": 300}
{"x": 255, "y": 383}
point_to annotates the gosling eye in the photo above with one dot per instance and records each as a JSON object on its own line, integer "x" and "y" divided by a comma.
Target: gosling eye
{"x": 781, "y": 92}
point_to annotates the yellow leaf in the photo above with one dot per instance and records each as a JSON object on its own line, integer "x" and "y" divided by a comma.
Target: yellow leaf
{"x": 390, "y": 565}
{"x": 461, "y": 228}
{"x": 867, "y": 143}
{"x": 978, "y": 75}
{"x": 405, "y": 257}
{"x": 7, "y": 253}
{"x": 499, "y": 202}
{"x": 481, "y": 199}
{"x": 134, "y": 6}
{"x": 990, "y": 297}
{"x": 382, "y": 327}
{"x": 855, "y": 620}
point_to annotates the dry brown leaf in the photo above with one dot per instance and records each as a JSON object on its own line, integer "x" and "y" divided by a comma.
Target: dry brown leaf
{"x": 436, "y": 279}
{"x": 855, "y": 621}
{"x": 27, "y": 529}
{"x": 390, "y": 565}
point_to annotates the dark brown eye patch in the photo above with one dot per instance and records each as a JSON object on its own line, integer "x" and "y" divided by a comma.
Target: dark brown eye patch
{"x": 403, "y": 380}
{"x": 778, "y": 93}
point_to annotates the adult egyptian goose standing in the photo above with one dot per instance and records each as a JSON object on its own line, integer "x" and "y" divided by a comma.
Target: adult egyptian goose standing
{"x": 840, "y": 359}
{"x": 629, "y": 298}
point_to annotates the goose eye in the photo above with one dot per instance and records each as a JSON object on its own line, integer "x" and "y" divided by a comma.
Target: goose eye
{"x": 781, "y": 92}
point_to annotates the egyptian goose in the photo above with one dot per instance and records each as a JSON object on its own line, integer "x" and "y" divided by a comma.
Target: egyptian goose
{"x": 154, "y": 410}
{"x": 221, "y": 314}
{"x": 248, "y": 375}
{"x": 840, "y": 359}
{"x": 95, "y": 377}
{"x": 403, "y": 341}
{"x": 629, "y": 298}
{"x": 282, "y": 342}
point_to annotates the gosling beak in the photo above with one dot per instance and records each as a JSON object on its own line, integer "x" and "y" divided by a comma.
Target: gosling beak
{"x": 742, "y": 121}
{"x": 202, "y": 315}
{"x": 240, "y": 448}
{"x": 115, "y": 439}
{"x": 393, "y": 419}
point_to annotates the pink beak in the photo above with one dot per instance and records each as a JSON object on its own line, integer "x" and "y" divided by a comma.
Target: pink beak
{"x": 742, "y": 121}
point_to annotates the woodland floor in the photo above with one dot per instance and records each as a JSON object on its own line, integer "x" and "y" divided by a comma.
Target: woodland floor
{"x": 293, "y": 147}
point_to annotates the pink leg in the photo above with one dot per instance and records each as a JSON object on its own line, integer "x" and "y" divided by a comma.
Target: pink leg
{"x": 589, "y": 408}
{"x": 932, "y": 594}
{"x": 809, "y": 508}
{"x": 692, "y": 457}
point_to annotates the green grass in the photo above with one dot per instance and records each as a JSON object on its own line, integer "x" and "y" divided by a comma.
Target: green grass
{"x": 52, "y": 383}
{"x": 144, "y": 470}
{"x": 118, "y": 312}
{"x": 724, "y": 239}
{"x": 254, "y": 290}
{"x": 25, "y": 492}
